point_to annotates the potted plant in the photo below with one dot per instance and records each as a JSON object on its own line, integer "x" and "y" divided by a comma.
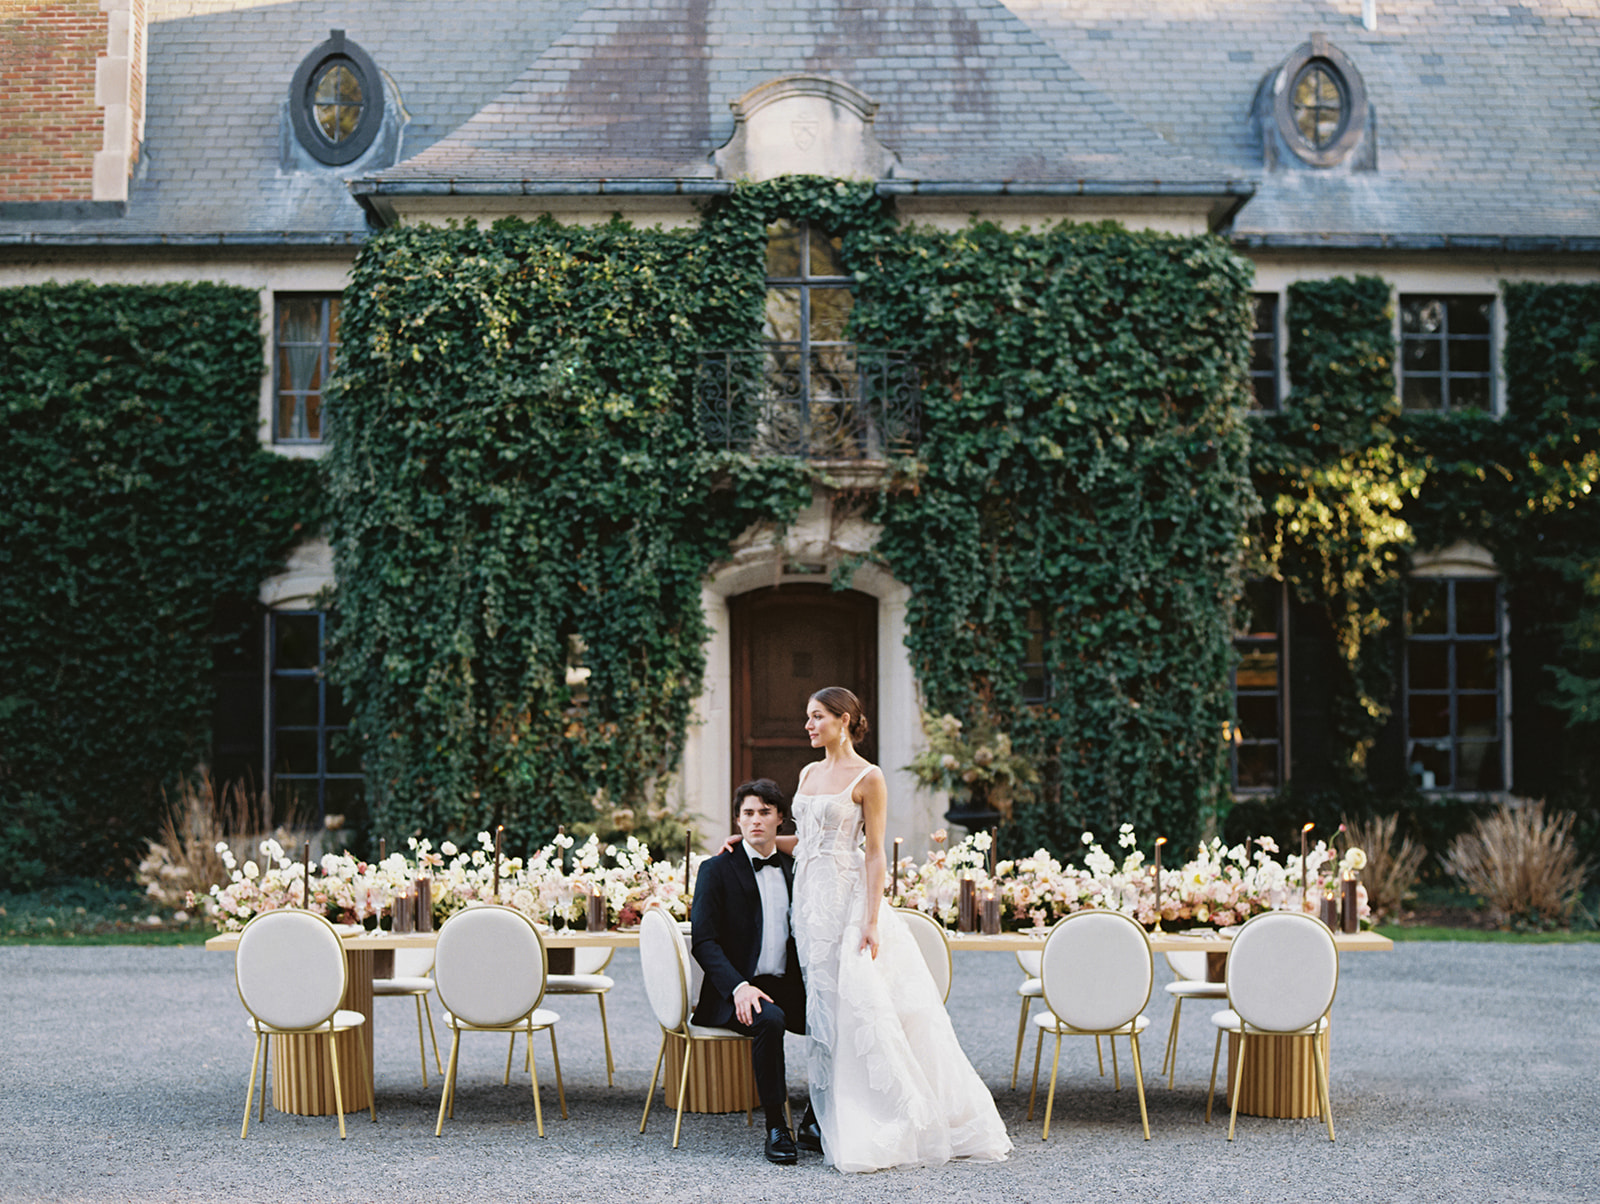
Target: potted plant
{"x": 976, "y": 764}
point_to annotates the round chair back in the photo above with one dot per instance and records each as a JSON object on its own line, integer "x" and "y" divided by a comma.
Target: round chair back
{"x": 590, "y": 959}
{"x": 412, "y": 963}
{"x": 1097, "y": 970}
{"x": 1029, "y": 960}
{"x": 290, "y": 969}
{"x": 1189, "y": 964}
{"x": 932, "y": 944}
{"x": 488, "y": 965}
{"x": 1283, "y": 970}
{"x": 663, "y": 959}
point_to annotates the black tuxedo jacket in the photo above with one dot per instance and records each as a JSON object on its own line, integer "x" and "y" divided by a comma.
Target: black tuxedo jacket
{"x": 725, "y": 921}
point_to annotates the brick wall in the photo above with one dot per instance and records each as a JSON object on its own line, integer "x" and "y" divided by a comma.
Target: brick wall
{"x": 71, "y": 98}
{"x": 50, "y": 125}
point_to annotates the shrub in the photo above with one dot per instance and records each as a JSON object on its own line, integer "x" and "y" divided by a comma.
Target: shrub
{"x": 1391, "y": 870}
{"x": 1524, "y": 865}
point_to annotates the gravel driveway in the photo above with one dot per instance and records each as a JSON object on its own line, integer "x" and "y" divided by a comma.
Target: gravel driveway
{"x": 1461, "y": 1072}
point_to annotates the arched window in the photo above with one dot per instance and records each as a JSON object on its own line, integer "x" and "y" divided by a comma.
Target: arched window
{"x": 336, "y": 101}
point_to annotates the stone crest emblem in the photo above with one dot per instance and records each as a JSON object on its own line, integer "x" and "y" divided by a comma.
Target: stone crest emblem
{"x": 804, "y": 132}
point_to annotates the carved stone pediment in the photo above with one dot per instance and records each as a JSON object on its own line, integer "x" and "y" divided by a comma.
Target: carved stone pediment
{"x": 803, "y": 125}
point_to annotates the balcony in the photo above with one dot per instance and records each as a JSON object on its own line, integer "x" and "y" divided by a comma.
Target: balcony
{"x": 823, "y": 402}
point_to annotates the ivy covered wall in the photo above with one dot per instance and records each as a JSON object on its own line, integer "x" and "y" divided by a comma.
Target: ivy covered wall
{"x": 136, "y": 505}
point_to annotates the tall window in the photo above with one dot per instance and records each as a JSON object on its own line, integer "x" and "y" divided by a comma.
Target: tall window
{"x": 1258, "y": 761}
{"x": 1036, "y": 683}
{"x": 307, "y": 340}
{"x": 1264, "y": 352}
{"x": 1454, "y": 713}
{"x": 1445, "y": 352}
{"x": 312, "y": 769}
{"x": 808, "y": 306}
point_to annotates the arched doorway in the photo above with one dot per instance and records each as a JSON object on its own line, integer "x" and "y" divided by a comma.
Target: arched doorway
{"x": 786, "y": 642}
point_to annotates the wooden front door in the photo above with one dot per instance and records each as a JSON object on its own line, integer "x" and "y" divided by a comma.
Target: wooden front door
{"x": 788, "y": 642}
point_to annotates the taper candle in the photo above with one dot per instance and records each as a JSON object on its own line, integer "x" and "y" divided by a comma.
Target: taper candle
{"x": 1160, "y": 840}
{"x": 688, "y": 852}
{"x": 1305, "y": 887}
{"x": 499, "y": 832}
{"x": 894, "y": 890}
{"x": 305, "y": 878}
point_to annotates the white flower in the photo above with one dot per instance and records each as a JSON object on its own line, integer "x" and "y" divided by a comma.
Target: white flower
{"x": 1088, "y": 838}
{"x": 252, "y": 870}
{"x": 449, "y": 849}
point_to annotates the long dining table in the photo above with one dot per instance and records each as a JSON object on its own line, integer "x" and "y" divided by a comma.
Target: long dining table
{"x": 1279, "y": 1076}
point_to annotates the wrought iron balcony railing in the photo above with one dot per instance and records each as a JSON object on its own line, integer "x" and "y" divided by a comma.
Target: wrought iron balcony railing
{"x": 824, "y": 401}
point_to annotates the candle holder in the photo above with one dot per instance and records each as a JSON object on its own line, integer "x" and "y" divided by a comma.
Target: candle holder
{"x": 597, "y": 912}
{"x": 403, "y": 913}
{"x": 967, "y": 905}
{"x": 991, "y": 914}
{"x": 1330, "y": 911}
{"x": 424, "y": 888}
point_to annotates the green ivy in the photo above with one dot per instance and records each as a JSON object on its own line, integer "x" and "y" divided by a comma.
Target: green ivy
{"x": 136, "y": 497}
{"x": 1085, "y": 456}
{"x": 516, "y": 472}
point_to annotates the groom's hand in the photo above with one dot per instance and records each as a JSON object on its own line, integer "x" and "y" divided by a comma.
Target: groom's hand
{"x": 747, "y": 1002}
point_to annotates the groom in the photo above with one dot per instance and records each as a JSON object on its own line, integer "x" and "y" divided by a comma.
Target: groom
{"x": 743, "y": 942}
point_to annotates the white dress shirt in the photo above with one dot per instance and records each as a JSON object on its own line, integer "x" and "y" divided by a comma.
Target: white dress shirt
{"x": 773, "y": 958}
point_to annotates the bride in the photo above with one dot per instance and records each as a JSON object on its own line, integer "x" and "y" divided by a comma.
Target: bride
{"x": 889, "y": 1082}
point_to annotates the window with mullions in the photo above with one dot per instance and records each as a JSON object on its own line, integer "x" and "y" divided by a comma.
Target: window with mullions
{"x": 1454, "y": 715}
{"x": 1445, "y": 353}
{"x": 1036, "y": 684}
{"x": 809, "y": 298}
{"x": 312, "y": 771}
{"x": 1264, "y": 352}
{"x": 336, "y": 101}
{"x": 1257, "y": 733}
{"x": 306, "y": 340}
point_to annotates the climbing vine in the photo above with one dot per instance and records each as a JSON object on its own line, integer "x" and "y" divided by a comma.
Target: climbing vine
{"x": 136, "y": 500}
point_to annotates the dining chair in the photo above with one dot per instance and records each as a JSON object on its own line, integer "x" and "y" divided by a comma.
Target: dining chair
{"x": 489, "y": 970}
{"x": 664, "y": 958}
{"x": 412, "y": 979}
{"x": 291, "y": 975}
{"x": 934, "y": 946}
{"x": 1189, "y": 969}
{"x": 1096, "y": 972}
{"x": 1283, "y": 972}
{"x": 588, "y": 962}
{"x": 1031, "y": 988}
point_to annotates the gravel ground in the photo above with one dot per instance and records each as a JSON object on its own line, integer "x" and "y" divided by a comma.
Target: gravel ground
{"x": 1460, "y": 1072}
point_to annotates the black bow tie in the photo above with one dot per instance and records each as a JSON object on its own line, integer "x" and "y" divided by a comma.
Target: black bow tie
{"x": 761, "y": 863}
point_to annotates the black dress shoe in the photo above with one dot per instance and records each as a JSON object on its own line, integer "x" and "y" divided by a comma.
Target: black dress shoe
{"x": 809, "y": 1135}
{"x": 780, "y": 1147}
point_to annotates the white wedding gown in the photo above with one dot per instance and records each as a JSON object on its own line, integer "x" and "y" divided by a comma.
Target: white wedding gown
{"x": 888, "y": 1080}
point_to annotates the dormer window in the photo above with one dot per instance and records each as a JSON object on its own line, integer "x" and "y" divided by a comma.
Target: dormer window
{"x": 336, "y": 101}
{"x": 1314, "y": 108}
{"x": 1319, "y": 103}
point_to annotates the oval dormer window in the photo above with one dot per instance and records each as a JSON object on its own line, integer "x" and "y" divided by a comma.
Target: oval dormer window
{"x": 1320, "y": 103}
{"x": 336, "y": 101}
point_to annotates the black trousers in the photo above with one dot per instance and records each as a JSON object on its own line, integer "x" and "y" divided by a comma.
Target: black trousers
{"x": 766, "y": 1031}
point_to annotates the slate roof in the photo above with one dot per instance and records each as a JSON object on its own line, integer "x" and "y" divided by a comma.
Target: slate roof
{"x": 1488, "y": 115}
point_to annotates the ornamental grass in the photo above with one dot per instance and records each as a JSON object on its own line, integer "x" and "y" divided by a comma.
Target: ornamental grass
{"x": 1392, "y": 867}
{"x": 1523, "y": 864}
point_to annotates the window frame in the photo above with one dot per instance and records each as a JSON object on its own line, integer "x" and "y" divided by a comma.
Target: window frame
{"x": 1452, "y": 640}
{"x": 1320, "y": 53}
{"x": 1490, "y": 340}
{"x": 1279, "y": 643}
{"x": 1036, "y": 624}
{"x": 806, "y": 283}
{"x": 1274, "y": 340}
{"x": 323, "y": 730}
{"x": 328, "y": 319}
{"x": 336, "y": 51}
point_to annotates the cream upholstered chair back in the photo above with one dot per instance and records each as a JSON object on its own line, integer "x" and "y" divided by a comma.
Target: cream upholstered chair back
{"x": 1189, "y": 964}
{"x": 290, "y": 969}
{"x": 1029, "y": 960}
{"x": 1097, "y": 970}
{"x": 932, "y": 944}
{"x": 489, "y": 965}
{"x": 664, "y": 958}
{"x": 412, "y": 963}
{"x": 590, "y": 959}
{"x": 1283, "y": 970}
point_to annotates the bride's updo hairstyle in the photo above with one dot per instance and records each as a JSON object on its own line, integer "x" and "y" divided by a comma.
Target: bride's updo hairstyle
{"x": 840, "y": 701}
